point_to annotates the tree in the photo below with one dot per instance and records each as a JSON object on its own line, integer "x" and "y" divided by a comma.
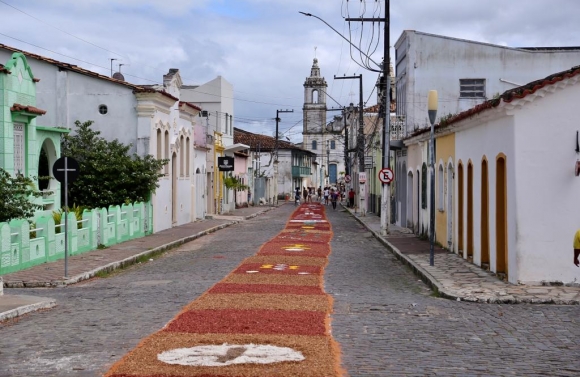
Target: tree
{"x": 16, "y": 197}
{"x": 109, "y": 174}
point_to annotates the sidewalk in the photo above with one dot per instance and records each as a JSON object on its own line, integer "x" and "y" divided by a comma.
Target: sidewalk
{"x": 455, "y": 278}
{"x": 87, "y": 265}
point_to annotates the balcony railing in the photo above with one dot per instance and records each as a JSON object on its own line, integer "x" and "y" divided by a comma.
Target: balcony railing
{"x": 300, "y": 171}
{"x": 397, "y": 129}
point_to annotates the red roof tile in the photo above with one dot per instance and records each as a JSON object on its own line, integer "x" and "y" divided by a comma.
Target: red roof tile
{"x": 67, "y": 66}
{"x": 28, "y": 109}
{"x": 151, "y": 90}
{"x": 183, "y": 103}
{"x": 263, "y": 142}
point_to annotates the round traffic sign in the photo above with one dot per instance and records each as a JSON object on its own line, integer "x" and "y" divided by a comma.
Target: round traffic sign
{"x": 386, "y": 175}
{"x": 347, "y": 178}
{"x": 68, "y": 166}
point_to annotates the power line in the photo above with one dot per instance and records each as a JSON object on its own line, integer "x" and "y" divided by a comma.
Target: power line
{"x": 63, "y": 31}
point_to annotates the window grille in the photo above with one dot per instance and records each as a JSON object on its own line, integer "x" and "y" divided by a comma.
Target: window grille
{"x": 19, "y": 149}
{"x": 471, "y": 88}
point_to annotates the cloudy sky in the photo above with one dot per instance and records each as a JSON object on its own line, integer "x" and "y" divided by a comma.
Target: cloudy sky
{"x": 265, "y": 47}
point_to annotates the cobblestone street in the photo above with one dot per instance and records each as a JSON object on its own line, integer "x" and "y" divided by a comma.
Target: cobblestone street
{"x": 389, "y": 323}
{"x": 386, "y": 320}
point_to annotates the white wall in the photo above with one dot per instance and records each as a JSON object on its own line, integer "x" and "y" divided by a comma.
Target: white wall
{"x": 547, "y": 191}
{"x": 426, "y": 62}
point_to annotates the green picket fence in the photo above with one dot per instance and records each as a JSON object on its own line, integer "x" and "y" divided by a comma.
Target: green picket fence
{"x": 22, "y": 247}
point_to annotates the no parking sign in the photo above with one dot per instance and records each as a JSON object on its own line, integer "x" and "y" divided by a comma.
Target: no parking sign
{"x": 386, "y": 175}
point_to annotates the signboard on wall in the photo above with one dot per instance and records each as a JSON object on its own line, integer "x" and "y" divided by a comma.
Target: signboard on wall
{"x": 226, "y": 163}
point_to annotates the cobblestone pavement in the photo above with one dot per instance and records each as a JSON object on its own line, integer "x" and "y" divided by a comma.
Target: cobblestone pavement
{"x": 386, "y": 320}
{"x": 99, "y": 320}
{"x": 390, "y": 324}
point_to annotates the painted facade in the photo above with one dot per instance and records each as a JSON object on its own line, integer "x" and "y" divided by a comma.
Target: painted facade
{"x": 465, "y": 73}
{"x": 26, "y": 146}
{"x": 216, "y": 98}
{"x": 513, "y": 208}
{"x": 294, "y": 167}
{"x": 150, "y": 118}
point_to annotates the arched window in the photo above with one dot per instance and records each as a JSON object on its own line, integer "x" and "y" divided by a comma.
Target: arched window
{"x": 159, "y": 144}
{"x": 315, "y": 96}
{"x": 181, "y": 155}
{"x": 166, "y": 152}
{"x": 187, "y": 157}
{"x": 314, "y": 145}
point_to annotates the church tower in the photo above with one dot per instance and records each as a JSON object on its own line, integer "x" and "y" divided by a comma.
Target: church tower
{"x": 319, "y": 136}
{"x": 314, "y": 110}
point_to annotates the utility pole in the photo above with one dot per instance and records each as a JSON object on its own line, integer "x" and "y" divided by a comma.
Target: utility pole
{"x": 360, "y": 140}
{"x": 277, "y": 121}
{"x": 386, "y": 192}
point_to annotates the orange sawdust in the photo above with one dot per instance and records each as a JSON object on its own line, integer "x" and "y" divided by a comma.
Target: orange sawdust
{"x": 273, "y": 299}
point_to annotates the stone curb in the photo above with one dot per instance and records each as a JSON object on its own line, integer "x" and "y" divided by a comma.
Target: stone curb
{"x": 46, "y": 303}
{"x": 118, "y": 264}
{"x": 444, "y": 292}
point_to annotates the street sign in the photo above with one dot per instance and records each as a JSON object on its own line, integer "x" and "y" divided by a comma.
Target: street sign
{"x": 347, "y": 178}
{"x": 362, "y": 177}
{"x": 386, "y": 175}
{"x": 65, "y": 166}
{"x": 226, "y": 163}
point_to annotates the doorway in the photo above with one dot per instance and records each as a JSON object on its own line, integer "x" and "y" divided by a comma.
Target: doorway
{"x": 484, "y": 215}
{"x": 174, "y": 189}
{"x": 501, "y": 246}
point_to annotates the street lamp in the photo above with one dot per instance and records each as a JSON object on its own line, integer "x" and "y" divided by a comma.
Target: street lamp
{"x": 432, "y": 109}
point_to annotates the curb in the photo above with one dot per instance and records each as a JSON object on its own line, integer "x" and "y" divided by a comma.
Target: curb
{"x": 44, "y": 303}
{"x": 442, "y": 292}
{"x": 119, "y": 264}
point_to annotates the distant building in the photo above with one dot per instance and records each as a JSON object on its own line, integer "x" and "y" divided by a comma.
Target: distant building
{"x": 321, "y": 137}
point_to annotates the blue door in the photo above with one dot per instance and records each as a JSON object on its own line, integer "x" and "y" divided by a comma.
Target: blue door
{"x": 332, "y": 174}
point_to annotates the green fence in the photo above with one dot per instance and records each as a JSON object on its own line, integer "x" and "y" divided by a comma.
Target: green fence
{"x": 22, "y": 247}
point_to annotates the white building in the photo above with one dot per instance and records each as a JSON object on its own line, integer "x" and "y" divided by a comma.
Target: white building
{"x": 216, "y": 97}
{"x": 465, "y": 74}
{"x": 152, "y": 119}
{"x": 508, "y": 177}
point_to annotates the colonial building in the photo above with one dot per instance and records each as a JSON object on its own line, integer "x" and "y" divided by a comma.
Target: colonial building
{"x": 152, "y": 119}
{"x": 27, "y": 146}
{"x": 465, "y": 74}
{"x": 273, "y": 178}
{"x": 507, "y": 181}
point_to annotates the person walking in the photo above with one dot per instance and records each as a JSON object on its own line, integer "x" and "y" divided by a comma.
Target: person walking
{"x": 351, "y": 198}
{"x": 297, "y": 196}
{"x": 334, "y": 198}
{"x": 326, "y": 195}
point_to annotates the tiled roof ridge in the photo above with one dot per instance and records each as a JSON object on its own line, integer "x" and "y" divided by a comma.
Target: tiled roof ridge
{"x": 151, "y": 90}
{"x": 184, "y": 103}
{"x": 68, "y": 66}
{"x": 29, "y": 109}
{"x": 267, "y": 143}
{"x": 507, "y": 97}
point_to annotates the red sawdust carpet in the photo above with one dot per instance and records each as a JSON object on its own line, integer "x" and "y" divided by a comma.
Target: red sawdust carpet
{"x": 267, "y": 318}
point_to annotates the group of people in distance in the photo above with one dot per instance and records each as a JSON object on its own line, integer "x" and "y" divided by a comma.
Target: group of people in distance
{"x": 327, "y": 195}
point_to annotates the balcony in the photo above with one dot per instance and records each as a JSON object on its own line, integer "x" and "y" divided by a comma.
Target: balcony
{"x": 397, "y": 128}
{"x": 300, "y": 172}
